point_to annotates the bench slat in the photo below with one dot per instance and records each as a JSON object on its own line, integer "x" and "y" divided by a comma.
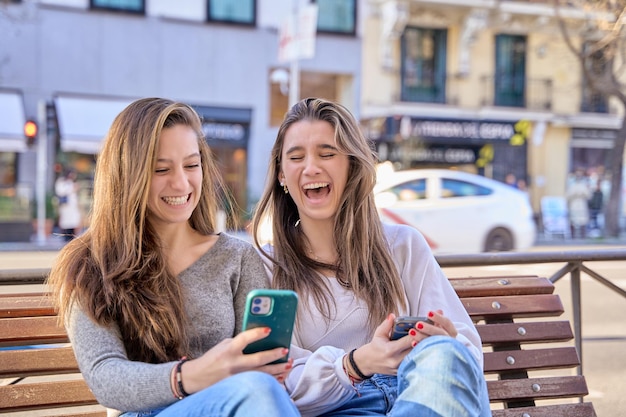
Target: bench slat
{"x": 501, "y": 285}
{"x": 531, "y": 332}
{"x": 31, "y": 331}
{"x": 23, "y": 397}
{"x": 532, "y": 359}
{"x": 26, "y": 305}
{"x": 537, "y": 388}
{"x": 563, "y": 410}
{"x": 514, "y": 306}
{"x": 49, "y": 361}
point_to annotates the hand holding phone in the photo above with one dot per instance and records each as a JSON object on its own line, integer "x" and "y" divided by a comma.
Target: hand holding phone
{"x": 403, "y": 324}
{"x": 275, "y": 309}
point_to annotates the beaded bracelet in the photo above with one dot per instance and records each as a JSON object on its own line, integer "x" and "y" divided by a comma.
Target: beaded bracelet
{"x": 355, "y": 368}
{"x": 179, "y": 378}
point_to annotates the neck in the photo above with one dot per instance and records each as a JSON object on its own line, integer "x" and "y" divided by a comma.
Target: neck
{"x": 321, "y": 241}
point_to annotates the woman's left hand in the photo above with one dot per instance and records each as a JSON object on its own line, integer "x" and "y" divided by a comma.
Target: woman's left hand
{"x": 278, "y": 371}
{"x": 441, "y": 326}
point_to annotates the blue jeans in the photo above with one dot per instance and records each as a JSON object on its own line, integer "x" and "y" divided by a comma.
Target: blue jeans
{"x": 242, "y": 395}
{"x": 438, "y": 378}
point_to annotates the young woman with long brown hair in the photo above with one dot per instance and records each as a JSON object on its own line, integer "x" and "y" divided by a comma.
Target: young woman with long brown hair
{"x": 151, "y": 294}
{"x": 354, "y": 275}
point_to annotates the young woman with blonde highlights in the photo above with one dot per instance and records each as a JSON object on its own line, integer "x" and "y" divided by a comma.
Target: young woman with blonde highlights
{"x": 152, "y": 296}
{"x": 354, "y": 275}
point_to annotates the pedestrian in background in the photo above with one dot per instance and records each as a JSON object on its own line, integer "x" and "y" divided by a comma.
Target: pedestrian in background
{"x": 596, "y": 203}
{"x": 578, "y": 194}
{"x": 70, "y": 216}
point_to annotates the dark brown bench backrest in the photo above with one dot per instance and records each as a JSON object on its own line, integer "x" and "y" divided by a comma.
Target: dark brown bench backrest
{"x": 523, "y": 344}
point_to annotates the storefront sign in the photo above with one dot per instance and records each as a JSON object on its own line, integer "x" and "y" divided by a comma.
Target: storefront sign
{"x": 442, "y": 130}
{"x": 224, "y": 131}
{"x": 433, "y": 155}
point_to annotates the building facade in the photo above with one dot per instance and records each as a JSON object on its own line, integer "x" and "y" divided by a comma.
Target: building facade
{"x": 74, "y": 64}
{"x": 484, "y": 87}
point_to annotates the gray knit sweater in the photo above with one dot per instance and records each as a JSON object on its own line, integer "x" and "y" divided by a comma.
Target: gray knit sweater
{"x": 215, "y": 286}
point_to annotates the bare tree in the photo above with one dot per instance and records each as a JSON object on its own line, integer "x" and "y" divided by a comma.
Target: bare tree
{"x": 594, "y": 33}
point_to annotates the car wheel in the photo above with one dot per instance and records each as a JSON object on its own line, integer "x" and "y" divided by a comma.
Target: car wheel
{"x": 499, "y": 240}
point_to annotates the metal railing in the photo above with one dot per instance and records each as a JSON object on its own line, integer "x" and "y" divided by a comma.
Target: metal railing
{"x": 574, "y": 265}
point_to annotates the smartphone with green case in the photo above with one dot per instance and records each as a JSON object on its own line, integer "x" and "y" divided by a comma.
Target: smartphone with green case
{"x": 275, "y": 309}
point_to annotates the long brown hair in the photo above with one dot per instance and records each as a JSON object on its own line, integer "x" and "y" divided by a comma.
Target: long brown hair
{"x": 116, "y": 270}
{"x": 365, "y": 264}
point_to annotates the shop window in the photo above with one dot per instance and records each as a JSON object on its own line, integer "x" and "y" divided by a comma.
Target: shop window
{"x": 131, "y": 6}
{"x": 312, "y": 84}
{"x": 336, "y": 16}
{"x": 423, "y": 65}
{"x": 241, "y": 12}
{"x": 510, "y": 77}
{"x": 7, "y": 169}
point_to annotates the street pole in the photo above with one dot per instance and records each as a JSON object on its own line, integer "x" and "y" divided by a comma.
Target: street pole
{"x": 294, "y": 82}
{"x": 42, "y": 165}
{"x": 294, "y": 65}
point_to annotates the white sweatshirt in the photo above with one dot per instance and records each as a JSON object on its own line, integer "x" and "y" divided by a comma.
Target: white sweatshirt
{"x": 317, "y": 382}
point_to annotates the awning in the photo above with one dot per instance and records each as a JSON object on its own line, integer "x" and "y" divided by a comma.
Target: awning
{"x": 12, "y": 121}
{"x": 83, "y": 122}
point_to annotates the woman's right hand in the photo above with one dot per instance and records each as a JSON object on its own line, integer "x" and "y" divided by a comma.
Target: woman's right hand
{"x": 227, "y": 358}
{"x": 381, "y": 355}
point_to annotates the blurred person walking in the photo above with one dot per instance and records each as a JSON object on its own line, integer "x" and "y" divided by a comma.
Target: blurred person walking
{"x": 70, "y": 217}
{"x": 595, "y": 208}
{"x": 578, "y": 194}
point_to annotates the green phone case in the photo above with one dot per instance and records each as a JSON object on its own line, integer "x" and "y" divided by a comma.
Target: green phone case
{"x": 271, "y": 308}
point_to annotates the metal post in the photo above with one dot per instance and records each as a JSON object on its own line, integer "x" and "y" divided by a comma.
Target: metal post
{"x": 294, "y": 65}
{"x": 576, "y": 309}
{"x": 294, "y": 82}
{"x": 42, "y": 165}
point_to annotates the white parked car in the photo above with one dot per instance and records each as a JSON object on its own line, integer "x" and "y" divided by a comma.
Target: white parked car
{"x": 457, "y": 212}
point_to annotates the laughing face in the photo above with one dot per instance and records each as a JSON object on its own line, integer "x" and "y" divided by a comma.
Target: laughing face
{"x": 314, "y": 170}
{"x": 177, "y": 178}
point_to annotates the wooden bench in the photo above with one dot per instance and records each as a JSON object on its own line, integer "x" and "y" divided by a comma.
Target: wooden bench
{"x": 523, "y": 345}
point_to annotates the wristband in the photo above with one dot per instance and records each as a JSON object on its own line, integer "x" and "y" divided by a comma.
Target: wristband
{"x": 179, "y": 378}
{"x": 355, "y": 368}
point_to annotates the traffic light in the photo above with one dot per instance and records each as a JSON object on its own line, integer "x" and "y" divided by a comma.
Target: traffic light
{"x": 30, "y": 131}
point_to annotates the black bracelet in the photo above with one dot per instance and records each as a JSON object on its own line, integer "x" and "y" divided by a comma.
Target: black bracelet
{"x": 179, "y": 378}
{"x": 356, "y": 368}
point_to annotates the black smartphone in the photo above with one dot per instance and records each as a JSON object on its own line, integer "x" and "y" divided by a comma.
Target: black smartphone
{"x": 275, "y": 309}
{"x": 403, "y": 324}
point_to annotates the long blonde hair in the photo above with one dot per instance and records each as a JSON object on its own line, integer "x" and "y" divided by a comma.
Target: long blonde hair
{"x": 365, "y": 264}
{"x": 116, "y": 270}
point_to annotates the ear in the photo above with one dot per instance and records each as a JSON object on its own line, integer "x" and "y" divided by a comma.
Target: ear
{"x": 281, "y": 178}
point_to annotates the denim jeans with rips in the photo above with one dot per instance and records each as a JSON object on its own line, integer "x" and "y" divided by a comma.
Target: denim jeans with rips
{"x": 438, "y": 378}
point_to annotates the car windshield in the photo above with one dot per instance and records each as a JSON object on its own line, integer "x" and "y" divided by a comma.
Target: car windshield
{"x": 456, "y": 188}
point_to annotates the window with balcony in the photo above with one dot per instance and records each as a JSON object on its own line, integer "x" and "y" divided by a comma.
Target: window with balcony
{"x": 593, "y": 101}
{"x": 130, "y": 6}
{"x": 336, "y": 16}
{"x": 423, "y": 65}
{"x": 510, "y": 77}
{"x": 242, "y": 12}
